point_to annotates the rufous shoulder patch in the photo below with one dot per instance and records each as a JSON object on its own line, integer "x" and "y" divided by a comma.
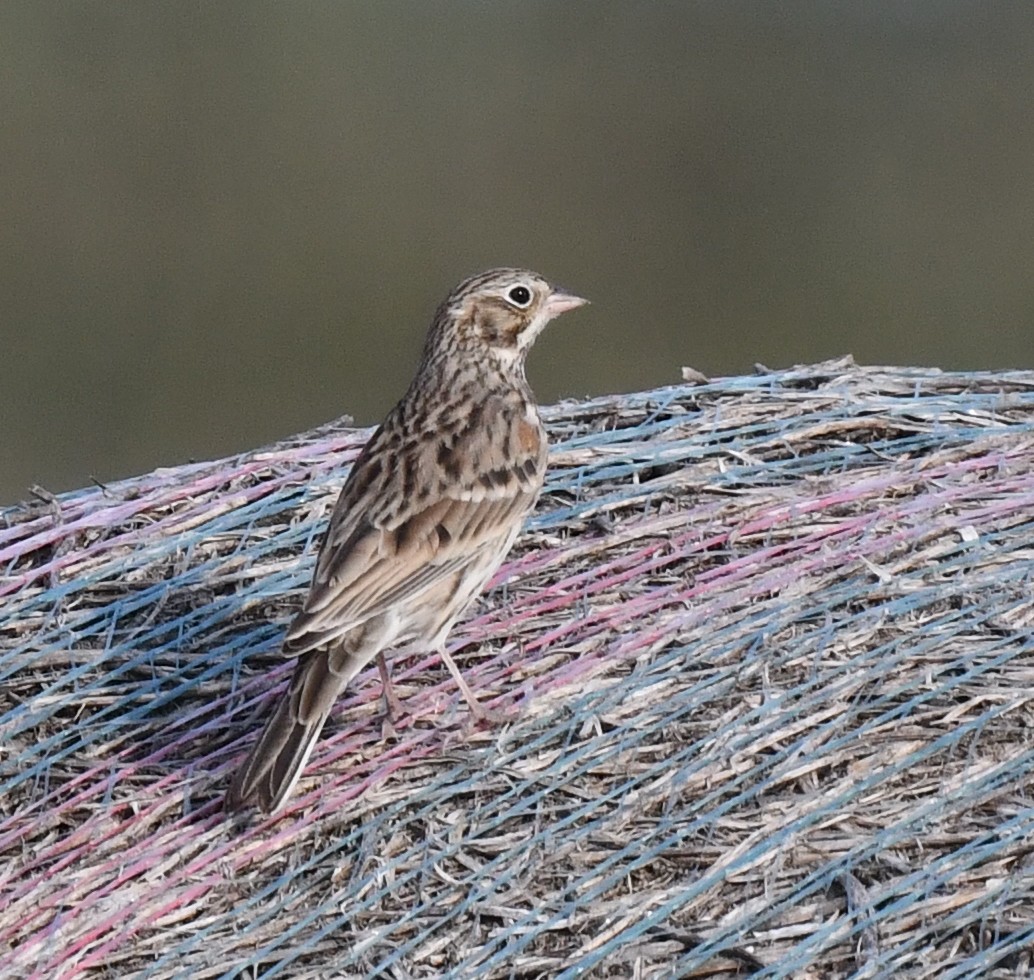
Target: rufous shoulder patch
{"x": 528, "y": 437}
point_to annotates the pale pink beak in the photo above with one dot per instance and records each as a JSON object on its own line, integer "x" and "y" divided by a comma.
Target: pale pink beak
{"x": 560, "y": 302}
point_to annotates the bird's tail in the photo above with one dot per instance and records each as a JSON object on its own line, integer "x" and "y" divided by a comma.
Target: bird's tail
{"x": 273, "y": 766}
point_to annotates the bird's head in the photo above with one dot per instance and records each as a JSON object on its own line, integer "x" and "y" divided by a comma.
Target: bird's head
{"x": 503, "y": 310}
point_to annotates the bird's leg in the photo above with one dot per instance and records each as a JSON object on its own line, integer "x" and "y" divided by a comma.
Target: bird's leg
{"x": 477, "y": 709}
{"x": 392, "y": 705}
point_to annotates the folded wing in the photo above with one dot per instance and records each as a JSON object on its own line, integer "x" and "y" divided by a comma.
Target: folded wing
{"x": 453, "y": 498}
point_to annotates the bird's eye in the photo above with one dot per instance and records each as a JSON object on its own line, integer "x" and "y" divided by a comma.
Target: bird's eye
{"x": 519, "y": 296}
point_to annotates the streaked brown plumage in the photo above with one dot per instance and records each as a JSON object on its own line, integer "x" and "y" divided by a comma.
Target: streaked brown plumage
{"x": 426, "y": 516}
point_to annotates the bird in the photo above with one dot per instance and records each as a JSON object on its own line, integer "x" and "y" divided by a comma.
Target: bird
{"x": 425, "y": 517}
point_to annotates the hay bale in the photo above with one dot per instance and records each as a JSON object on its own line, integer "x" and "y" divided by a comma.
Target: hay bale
{"x": 768, "y": 646}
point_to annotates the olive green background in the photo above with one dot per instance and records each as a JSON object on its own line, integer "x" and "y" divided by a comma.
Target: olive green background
{"x": 224, "y": 223}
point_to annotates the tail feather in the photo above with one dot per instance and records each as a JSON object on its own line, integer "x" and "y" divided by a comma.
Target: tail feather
{"x": 276, "y": 761}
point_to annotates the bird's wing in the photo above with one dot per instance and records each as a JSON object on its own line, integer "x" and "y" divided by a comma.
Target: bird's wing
{"x": 412, "y": 513}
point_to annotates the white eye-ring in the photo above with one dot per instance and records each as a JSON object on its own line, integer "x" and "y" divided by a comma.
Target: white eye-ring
{"x": 520, "y": 296}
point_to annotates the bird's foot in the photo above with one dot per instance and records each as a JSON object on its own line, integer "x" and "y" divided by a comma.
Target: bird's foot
{"x": 480, "y": 715}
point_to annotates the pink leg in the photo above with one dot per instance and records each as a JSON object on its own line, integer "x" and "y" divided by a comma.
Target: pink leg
{"x": 478, "y": 710}
{"x": 392, "y": 705}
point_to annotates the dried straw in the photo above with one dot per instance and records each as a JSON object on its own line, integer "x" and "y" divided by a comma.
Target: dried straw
{"x": 767, "y": 645}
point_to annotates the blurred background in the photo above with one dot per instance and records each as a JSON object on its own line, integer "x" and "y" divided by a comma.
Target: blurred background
{"x": 225, "y": 223}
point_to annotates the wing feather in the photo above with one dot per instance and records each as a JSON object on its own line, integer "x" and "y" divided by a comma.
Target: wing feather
{"x": 375, "y": 557}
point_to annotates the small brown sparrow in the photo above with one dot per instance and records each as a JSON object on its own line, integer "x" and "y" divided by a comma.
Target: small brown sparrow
{"x": 426, "y": 516}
